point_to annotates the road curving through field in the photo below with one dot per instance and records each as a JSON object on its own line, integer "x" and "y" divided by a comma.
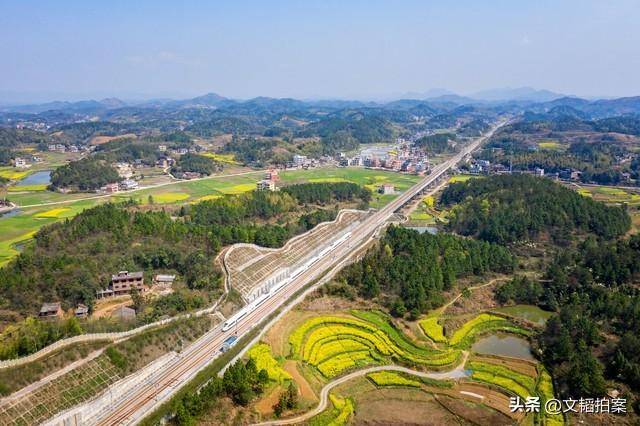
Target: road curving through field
{"x": 455, "y": 373}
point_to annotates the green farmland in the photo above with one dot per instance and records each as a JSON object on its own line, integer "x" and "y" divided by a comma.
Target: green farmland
{"x": 39, "y": 208}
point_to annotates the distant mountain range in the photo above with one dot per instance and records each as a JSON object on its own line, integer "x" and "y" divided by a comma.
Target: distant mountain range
{"x": 517, "y": 94}
{"x": 523, "y": 98}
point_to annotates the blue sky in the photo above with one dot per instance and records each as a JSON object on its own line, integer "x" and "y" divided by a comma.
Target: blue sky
{"x": 316, "y": 49}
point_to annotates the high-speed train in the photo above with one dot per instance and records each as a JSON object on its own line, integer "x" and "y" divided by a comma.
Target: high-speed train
{"x": 261, "y": 299}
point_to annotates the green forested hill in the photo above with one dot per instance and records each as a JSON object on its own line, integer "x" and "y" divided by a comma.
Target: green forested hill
{"x": 415, "y": 268}
{"x": 511, "y": 208}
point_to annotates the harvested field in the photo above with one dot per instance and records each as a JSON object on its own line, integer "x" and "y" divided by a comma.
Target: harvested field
{"x": 99, "y": 140}
{"x": 400, "y": 407}
{"x": 519, "y": 365}
{"x": 477, "y": 414}
{"x": 265, "y": 405}
{"x": 490, "y": 397}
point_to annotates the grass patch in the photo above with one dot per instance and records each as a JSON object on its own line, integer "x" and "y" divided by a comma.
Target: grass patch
{"x": 208, "y": 197}
{"x": 551, "y": 145}
{"x": 239, "y": 189}
{"x": 222, "y": 158}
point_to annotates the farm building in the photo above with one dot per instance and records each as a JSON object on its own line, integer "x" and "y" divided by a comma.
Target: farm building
{"x": 82, "y": 311}
{"x": 51, "y": 310}
{"x": 266, "y": 185}
{"x": 128, "y": 184}
{"x": 124, "y": 313}
{"x": 111, "y": 188}
{"x": 272, "y": 174}
{"x": 163, "y": 280}
{"x": 386, "y": 188}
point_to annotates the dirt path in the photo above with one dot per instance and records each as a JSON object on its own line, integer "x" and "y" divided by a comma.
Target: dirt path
{"x": 456, "y": 373}
{"x": 305, "y": 388}
{"x": 475, "y": 287}
{"x": 108, "y": 306}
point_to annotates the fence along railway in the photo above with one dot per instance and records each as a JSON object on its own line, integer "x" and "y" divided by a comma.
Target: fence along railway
{"x": 131, "y": 406}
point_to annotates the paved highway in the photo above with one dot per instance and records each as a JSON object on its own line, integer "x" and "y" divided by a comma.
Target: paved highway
{"x": 130, "y": 407}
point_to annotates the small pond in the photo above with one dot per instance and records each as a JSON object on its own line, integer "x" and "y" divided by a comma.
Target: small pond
{"x": 9, "y": 213}
{"x": 42, "y": 177}
{"x": 423, "y": 229}
{"x": 504, "y": 345}
{"x": 527, "y": 312}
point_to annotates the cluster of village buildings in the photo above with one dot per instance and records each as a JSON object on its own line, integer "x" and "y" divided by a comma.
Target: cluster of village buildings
{"x": 485, "y": 167}
{"x": 403, "y": 157}
{"x": 122, "y": 283}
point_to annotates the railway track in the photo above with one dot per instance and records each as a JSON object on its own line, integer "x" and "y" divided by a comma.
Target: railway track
{"x": 140, "y": 400}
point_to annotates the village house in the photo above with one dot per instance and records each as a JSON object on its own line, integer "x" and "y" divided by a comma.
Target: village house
{"x": 163, "y": 280}
{"x": 124, "y": 313}
{"x": 82, "y": 311}
{"x": 111, "y": 188}
{"x": 386, "y": 189}
{"x": 51, "y": 310}
{"x": 299, "y": 160}
{"x": 124, "y": 281}
{"x": 162, "y": 148}
{"x": 165, "y": 162}
{"x": 128, "y": 184}
{"x": 124, "y": 170}
{"x": 190, "y": 175}
{"x": 266, "y": 185}
{"x": 272, "y": 174}
{"x": 20, "y": 163}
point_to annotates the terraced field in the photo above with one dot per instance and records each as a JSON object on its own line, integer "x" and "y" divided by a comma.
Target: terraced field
{"x": 337, "y": 344}
{"x": 330, "y": 346}
{"x": 392, "y": 378}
